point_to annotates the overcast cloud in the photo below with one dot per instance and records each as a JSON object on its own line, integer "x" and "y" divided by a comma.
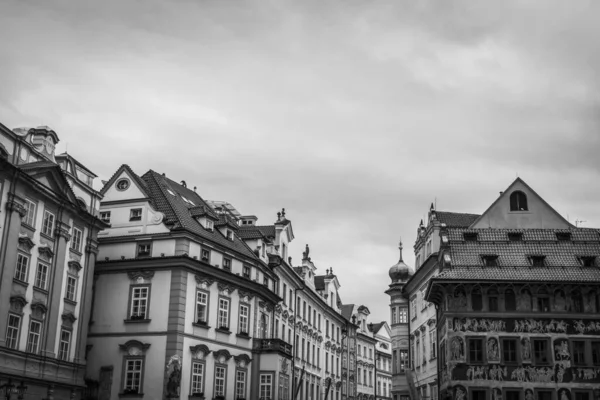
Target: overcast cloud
{"x": 354, "y": 115}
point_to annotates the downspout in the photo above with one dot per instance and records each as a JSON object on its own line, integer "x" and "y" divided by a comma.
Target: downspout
{"x": 293, "y": 393}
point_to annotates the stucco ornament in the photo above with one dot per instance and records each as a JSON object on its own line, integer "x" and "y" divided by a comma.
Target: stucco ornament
{"x": 493, "y": 351}
{"x": 174, "y": 374}
{"x": 459, "y": 394}
{"x": 457, "y": 348}
{"x": 525, "y": 350}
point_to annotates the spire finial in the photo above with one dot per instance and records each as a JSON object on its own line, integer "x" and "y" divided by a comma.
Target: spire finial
{"x": 278, "y": 216}
{"x": 283, "y": 213}
{"x": 400, "y": 247}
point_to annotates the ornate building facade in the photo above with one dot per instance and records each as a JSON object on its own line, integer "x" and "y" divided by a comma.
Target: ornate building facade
{"x": 399, "y": 273}
{"x": 48, "y": 249}
{"x": 518, "y": 300}
{"x": 383, "y": 360}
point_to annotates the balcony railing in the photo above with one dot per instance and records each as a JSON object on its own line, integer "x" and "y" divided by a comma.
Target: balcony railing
{"x": 272, "y": 345}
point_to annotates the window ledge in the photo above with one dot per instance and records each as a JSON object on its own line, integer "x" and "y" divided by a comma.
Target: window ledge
{"x": 137, "y": 321}
{"x": 42, "y": 234}
{"x": 223, "y": 330}
{"x": 39, "y": 289}
{"x": 20, "y": 282}
{"x": 75, "y": 251}
{"x": 196, "y": 397}
{"x": 131, "y": 395}
{"x": 243, "y": 336}
{"x": 69, "y": 301}
{"x": 29, "y": 227}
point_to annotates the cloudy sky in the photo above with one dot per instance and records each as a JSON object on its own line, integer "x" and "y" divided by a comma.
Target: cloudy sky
{"x": 354, "y": 115}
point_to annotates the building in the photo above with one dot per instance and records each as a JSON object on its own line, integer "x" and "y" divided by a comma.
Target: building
{"x": 423, "y": 333}
{"x": 399, "y": 273}
{"x": 182, "y": 306}
{"x": 518, "y": 300}
{"x": 383, "y": 360}
{"x": 48, "y": 249}
{"x": 365, "y": 350}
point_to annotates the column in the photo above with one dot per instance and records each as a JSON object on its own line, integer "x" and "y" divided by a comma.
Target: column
{"x": 85, "y": 300}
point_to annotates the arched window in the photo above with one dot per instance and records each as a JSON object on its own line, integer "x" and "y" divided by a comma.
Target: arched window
{"x": 510, "y": 301}
{"x": 560, "y": 301}
{"x": 577, "y": 301}
{"x": 476, "y": 299}
{"x": 518, "y": 201}
{"x": 492, "y": 296}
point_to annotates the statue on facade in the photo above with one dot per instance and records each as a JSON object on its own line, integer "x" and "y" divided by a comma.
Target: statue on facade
{"x": 525, "y": 350}
{"x": 174, "y": 373}
{"x": 560, "y": 303}
{"x": 524, "y": 301}
{"x": 528, "y": 394}
{"x": 457, "y": 349}
{"x": 459, "y": 394}
{"x": 493, "y": 352}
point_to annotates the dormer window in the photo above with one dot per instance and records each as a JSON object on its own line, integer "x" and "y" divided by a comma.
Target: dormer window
{"x": 588, "y": 261}
{"x": 209, "y": 225}
{"x": 135, "y": 214}
{"x": 470, "y": 236}
{"x": 229, "y": 235}
{"x": 122, "y": 184}
{"x": 537, "y": 261}
{"x": 515, "y": 236}
{"x": 563, "y": 236}
{"x": 105, "y": 216}
{"x": 205, "y": 255}
{"x": 518, "y": 201}
{"x": 143, "y": 250}
{"x": 490, "y": 260}
{"x": 246, "y": 272}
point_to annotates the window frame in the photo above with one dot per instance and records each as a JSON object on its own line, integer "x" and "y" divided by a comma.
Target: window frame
{"x": 133, "y": 214}
{"x": 472, "y": 391}
{"x": 45, "y": 227}
{"x": 140, "y": 249}
{"x": 215, "y": 380}
{"x": 126, "y": 360}
{"x": 62, "y": 354}
{"x": 534, "y": 357}
{"x": 220, "y": 326}
{"x": 247, "y": 317}
{"x": 46, "y": 273}
{"x": 517, "y": 342}
{"x": 583, "y": 362}
{"x": 271, "y": 376}
{"x": 31, "y": 213}
{"x": 132, "y": 289}
{"x": 103, "y": 215}
{"x": 475, "y": 339}
{"x": 76, "y": 239}
{"x": 227, "y": 264}
{"x": 244, "y": 383}
{"x": 194, "y": 374}
{"x": 20, "y": 274}
{"x": 202, "y": 255}
{"x": 71, "y": 295}
{"x": 402, "y": 315}
{"x": 197, "y": 320}
{"x": 28, "y": 348}
{"x": 515, "y": 201}
{"x": 15, "y": 329}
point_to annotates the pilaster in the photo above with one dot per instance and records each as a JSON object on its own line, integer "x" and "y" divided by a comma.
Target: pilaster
{"x": 85, "y": 309}
{"x": 175, "y": 328}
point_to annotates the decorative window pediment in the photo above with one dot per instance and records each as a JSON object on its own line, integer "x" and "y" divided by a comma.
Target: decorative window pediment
{"x": 225, "y": 288}
{"x": 134, "y": 347}
{"x": 25, "y": 243}
{"x": 45, "y": 252}
{"x": 39, "y": 310}
{"x": 242, "y": 360}
{"x": 140, "y": 276}
{"x": 74, "y": 267}
{"x": 204, "y": 281}
{"x": 68, "y": 319}
{"x": 200, "y": 351}
{"x": 222, "y": 356}
{"x": 17, "y": 302}
{"x": 245, "y": 295}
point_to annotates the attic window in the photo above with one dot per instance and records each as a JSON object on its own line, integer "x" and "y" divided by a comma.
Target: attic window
{"x": 515, "y": 236}
{"x": 518, "y": 201}
{"x": 122, "y": 184}
{"x": 209, "y": 225}
{"x": 563, "y": 236}
{"x": 470, "y": 236}
{"x": 490, "y": 260}
{"x": 229, "y": 235}
{"x": 537, "y": 261}
{"x": 587, "y": 261}
{"x": 135, "y": 214}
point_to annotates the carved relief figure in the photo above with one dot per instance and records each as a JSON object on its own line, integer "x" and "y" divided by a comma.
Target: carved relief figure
{"x": 459, "y": 394}
{"x": 459, "y": 300}
{"x": 561, "y": 350}
{"x": 528, "y": 394}
{"x": 174, "y": 371}
{"x": 579, "y": 326}
{"x": 560, "y": 303}
{"x": 564, "y": 395}
{"x": 525, "y": 350}
{"x": 457, "y": 348}
{"x": 493, "y": 352}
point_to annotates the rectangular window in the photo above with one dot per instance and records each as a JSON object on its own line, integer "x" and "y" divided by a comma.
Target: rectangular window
{"x": 578, "y": 352}
{"x": 596, "y": 353}
{"x": 21, "y": 270}
{"x": 402, "y": 315}
{"x": 76, "y": 240}
{"x": 135, "y": 214}
{"x": 197, "y": 378}
{"x": 41, "y": 276}
{"x": 240, "y": 384}
{"x": 205, "y": 255}
{"x": 432, "y": 341}
{"x": 246, "y": 272}
{"x": 475, "y": 350}
{"x": 478, "y": 394}
{"x": 12, "y": 331}
{"x": 71, "y": 291}
{"x": 540, "y": 351}
{"x": 512, "y": 395}
{"x": 105, "y": 216}
{"x": 48, "y": 223}
{"x": 583, "y": 396}
{"x": 223, "y": 322}
{"x": 509, "y": 350}
{"x": 227, "y": 264}
{"x": 144, "y": 249}
{"x": 493, "y": 303}
{"x": 544, "y": 395}
{"x": 133, "y": 375}
{"x": 33, "y": 339}
{"x": 64, "y": 345}
{"x": 244, "y": 318}
{"x": 284, "y": 384}
{"x": 139, "y": 302}
{"x": 201, "y": 307}
{"x": 543, "y": 304}
{"x": 229, "y": 235}
{"x": 403, "y": 360}
{"x": 29, "y": 218}
{"x": 220, "y": 378}
{"x": 285, "y": 294}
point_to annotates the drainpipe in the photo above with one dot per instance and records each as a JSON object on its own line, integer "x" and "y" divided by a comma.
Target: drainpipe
{"x": 292, "y": 394}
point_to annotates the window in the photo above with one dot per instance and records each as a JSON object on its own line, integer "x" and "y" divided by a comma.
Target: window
{"x": 21, "y": 270}
{"x": 33, "y": 339}
{"x": 143, "y": 250}
{"x": 220, "y": 378}
{"x": 135, "y": 214}
{"x": 510, "y": 300}
{"x": 133, "y": 375}
{"x": 515, "y": 236}
{"x": 475, "y": 350}
{"x": 402, "y": 315}
{"x": 284, "y": 385}
{"x": 41, "y": 276}
{"x": 470, "y": 236}
{"x": 240, "y": 384}
{"x": 596, "y": 353}
{"x": 578, "y": 352}
{"x": 30, "y": 216}
{"x": 537, "y": 261}
{"x": 227, "y": 264}
{"x": 12, "y": 331}
{"x": 285, "y": 294}
{"x": 229, "y": 235}
{"x": 209, "y": 224}
{"x": 64, "y": 345}
{"x": 122, "y": 184}
{"x": 512, "y": 395}
{"x": 540, "y": 351}
{"x": 518, "y": 201}
{"x": 266, "y": 382}
{"x": 476, "y": 299}
{"x": 394, "y": 316}
{"x": 71, "y": 290}
{"x": 492, "y": 300}
{"x": 544, "y": 395}
{"x": 478, "y": 394}
{"x": 490, "y": 261}
{"x": 246, "y": 272}
{"x": 197, "y": 378}
{"x": 265, "y": 281}
{"x": 205, "y": 255}
{"x": 577, "y": 300}
{"x": 201, "y": 307}
{"x": 76, "y": 240}
{"x": 48, "y": 223}
{"x": 582, "y": 395}
{"x": 432, "y": 341}
{"x": 543, "y": 303}
{"x": 105, "y": 216}
{"x": 403, "y": 360}
{"x": 588, "y": 261}
{"x": 139, "y": 302}
{"x": 244, "y": 315}
{"x": 413, "y": 307}
{"x": 509, "y": 350}
{"x": 223, "y": 322}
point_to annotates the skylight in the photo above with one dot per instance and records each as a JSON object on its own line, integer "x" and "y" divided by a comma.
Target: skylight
{"x": 171, "y": 192}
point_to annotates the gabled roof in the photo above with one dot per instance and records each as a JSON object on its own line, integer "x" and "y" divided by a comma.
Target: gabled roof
{"x": 140, "y": 183}
{"x": 320, "y": 282}
{"x": 376, "y": 327}
{"x": 456, "y": 220}
{"x": 77, "y": 163}
{"x": 36, "y": 168}
{"x": 347, "y": 311}
{"x": 256, "y": 232}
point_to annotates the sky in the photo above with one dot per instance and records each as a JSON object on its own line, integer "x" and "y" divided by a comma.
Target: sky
{"x": 353, "y": 115}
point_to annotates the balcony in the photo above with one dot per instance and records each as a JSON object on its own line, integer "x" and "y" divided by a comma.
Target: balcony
{"x": 272, "y": 346}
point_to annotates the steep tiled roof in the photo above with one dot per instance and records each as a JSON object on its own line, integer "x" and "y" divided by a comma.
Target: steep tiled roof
{"x": 347, "y": 310}
{"x": 456, "y": 220}
{"x": 249, "y": 232}
{"x": 376, "y": 327}
{"x": 546, "y": 274}
{"x": 177, "y": 211}
{"x": 320, "y": 282}
{"x": 117, "y": 173}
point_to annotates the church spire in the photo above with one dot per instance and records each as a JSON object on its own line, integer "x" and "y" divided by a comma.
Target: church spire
{"x": 400, "y": 247}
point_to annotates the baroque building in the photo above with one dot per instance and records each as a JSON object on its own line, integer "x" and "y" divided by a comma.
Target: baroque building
{"x": 518, "y": 304}
{"x": 423, "y": 333}
{"x": 399, "y": 273}
{"x": 48, "y": 231}
{"x": 383, "y": 360}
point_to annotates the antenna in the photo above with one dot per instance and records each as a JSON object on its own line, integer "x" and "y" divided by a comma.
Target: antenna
{"x": 577, "y": 222}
